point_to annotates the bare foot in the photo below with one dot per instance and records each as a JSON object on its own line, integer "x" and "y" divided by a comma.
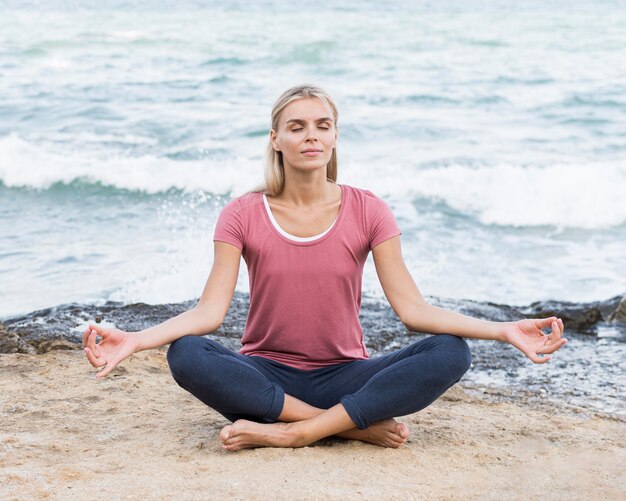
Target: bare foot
{"x": 243, "y": 434}
{"x": 385, "y": 433}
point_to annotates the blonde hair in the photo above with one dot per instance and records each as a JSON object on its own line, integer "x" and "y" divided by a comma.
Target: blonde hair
{"x": 274, "y": 167}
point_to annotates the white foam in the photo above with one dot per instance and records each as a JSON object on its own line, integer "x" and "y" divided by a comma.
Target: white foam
{"x": 131, "y": 35}
{"x": 23, "y": 164}
{"x": 90, "y": 137}
{"x": 57, "y": 63}
{"x": 565, "y": 195}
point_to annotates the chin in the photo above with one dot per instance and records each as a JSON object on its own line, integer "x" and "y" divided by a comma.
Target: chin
{"x": 319, "y": 167}
{"x": 309, "y": 166}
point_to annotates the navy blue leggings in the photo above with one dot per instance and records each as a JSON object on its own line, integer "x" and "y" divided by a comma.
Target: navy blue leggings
{"x": 251, "y": 387}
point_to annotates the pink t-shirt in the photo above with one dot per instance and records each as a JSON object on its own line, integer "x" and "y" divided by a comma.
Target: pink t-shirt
{"x": 305, "y": 296}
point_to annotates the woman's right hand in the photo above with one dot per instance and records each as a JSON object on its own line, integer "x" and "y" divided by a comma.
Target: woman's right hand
{"x": 116, "y": 345}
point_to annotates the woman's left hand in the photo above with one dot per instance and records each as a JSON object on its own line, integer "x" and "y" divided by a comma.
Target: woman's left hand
{"x": 526, "y": 336}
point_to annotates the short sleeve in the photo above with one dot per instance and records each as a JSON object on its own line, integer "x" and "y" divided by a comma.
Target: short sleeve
{"x": 381, "y": 223}
{"x": 230, "y": 225}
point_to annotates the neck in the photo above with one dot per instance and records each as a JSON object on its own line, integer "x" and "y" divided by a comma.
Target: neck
{"x": 307, "y": 188}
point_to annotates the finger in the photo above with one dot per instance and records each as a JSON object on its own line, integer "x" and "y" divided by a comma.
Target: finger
{"x": 536, "y": 359}
{"x": 91, "y": 344}
{"x": 96, "y": 362}
{"x": 86, "y": 333}
{"x": 551, "y": 348}
{"x": 100, "y": 331}
{"x": 104, "y": 372}
{"x": 562, "y": 326}
{"x": 544, "y": 323}
{"x": 555, "y": 335}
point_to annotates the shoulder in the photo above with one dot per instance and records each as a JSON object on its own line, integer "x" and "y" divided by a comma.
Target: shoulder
{"x": 375, "y": 215}
{"x": 240, "y": 211}
{"x": 242, "y": 204}
{"x": 361, "y": 193}
{"x": 365, "y": 198}
{"x": 236, "y": 218}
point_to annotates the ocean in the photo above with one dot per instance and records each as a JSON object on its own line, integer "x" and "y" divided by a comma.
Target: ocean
{"x": 495, "y": 131}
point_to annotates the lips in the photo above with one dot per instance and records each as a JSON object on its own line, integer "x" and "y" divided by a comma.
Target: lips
{"x": 312, "y": 151}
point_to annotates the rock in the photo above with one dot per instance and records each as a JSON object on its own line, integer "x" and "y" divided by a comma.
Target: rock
{"x": 57, "y": 344}
{"x": 10, "y": 342}
{"x": 56, "y": 328}
{"x": 619, "y": 315}
{"x": 579, "y": 317}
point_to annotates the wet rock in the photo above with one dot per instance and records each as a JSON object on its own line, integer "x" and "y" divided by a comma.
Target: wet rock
{"x": 619, "y": 315}
{"x": 13, "y": 342}
{"x": 56, "y": 328}
{"x": 59, "y": 343}
{"x": 580, "y": 317}
{"x": 10, "y": 342}
{"x": 501, "y": 365}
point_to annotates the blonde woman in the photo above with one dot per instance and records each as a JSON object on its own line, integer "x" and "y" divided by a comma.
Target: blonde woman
{"x": 303, "y": 372}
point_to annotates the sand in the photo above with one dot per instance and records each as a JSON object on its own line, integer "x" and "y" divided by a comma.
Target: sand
{"x": 138, "y": 435}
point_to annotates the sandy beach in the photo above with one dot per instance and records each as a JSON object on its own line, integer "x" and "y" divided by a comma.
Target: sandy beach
{"x": 137, "y": 435}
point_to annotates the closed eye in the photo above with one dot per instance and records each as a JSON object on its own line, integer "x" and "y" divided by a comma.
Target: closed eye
{"x": 298, "y": 129}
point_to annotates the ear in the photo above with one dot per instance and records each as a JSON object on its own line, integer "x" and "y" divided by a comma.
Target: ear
{"x": 273, "y": 140}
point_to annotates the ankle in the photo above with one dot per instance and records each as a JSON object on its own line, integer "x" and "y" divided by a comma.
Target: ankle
{"x": 296, "y": 434}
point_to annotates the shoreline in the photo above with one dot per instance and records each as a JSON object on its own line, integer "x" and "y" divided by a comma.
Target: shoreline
{"x": 65, "y": 322}
{"x": 137, "y": 434}
{"x": 577, "y": 375}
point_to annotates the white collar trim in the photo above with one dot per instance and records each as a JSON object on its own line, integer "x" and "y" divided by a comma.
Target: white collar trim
{"x": 289, "y": 235}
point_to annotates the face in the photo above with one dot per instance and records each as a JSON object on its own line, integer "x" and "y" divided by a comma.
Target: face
{"x": 306, "y": 134}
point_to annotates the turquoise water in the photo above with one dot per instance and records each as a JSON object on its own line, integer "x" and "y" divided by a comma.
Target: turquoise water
{"x": 496, "y": 133}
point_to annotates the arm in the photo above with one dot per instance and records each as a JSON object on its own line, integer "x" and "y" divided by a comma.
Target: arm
{"x": 208, "y": 314}
{"x": 419, "y": 316}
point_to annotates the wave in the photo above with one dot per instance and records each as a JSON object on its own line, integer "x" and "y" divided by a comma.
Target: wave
{"x": 567, "y": 195}
{"x": 26, "y": 165}
{"x": 581, "y": 195}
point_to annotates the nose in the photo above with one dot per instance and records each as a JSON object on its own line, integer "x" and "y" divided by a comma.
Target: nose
{"x": 311, "y": 134}
{"x": 311, "y": 142}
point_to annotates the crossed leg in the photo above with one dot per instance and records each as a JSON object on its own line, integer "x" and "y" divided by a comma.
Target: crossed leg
{"x": 384, "y": 433}
{"x": 397, "y": 384}
{"x": 302, "y": 424}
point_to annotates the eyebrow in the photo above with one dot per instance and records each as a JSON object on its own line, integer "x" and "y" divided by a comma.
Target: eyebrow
{"x": 299, "y": 121}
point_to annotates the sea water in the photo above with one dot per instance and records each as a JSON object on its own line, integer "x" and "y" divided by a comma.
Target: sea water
{"x": 496, "y": 131}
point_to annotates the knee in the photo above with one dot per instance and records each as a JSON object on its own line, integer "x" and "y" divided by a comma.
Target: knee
{"x": 181, "y": 353}
{"x": 458, "y": 356}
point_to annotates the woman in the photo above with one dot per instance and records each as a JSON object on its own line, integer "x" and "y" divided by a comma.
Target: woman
{"x": 303, "y": 372}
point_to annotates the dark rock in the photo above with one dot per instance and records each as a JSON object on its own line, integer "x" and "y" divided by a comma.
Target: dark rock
{"x": 10, "y": 342}
{"x": 580, "y": 317}
{"x": 55, "y": 328}
{"x": 59, "y": 343}
{"x": 595, "y": 361}
{"x": 619, "y": 315}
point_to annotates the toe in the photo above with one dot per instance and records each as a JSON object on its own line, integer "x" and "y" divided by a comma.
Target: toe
{"x": 225, "y": 433}
{"x": 393, "y": 444}
{"x": 393, "y": 437}
{"x": 402, "y": 430}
